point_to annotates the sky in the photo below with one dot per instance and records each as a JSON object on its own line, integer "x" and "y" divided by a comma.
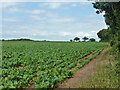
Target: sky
{"x": 52, "y": 21}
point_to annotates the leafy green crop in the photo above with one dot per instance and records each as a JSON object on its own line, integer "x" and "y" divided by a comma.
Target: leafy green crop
{"x": 45, "y": 63}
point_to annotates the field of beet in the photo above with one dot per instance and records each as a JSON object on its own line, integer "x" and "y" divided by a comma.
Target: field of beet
{"x": 44, "y": 64}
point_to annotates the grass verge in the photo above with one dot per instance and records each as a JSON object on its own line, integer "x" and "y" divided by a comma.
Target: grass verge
{"x": 104, "y": 75}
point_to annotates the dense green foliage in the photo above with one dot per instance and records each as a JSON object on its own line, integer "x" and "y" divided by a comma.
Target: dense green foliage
{"x": 43, "y": 63}
{"x": 104, "y": 35}
{"x": 92, "y": 40}
{"x": 112, "y": 34}
{"x": 76, "y": 39}
{"x": 85, "y": 38}
{"x": 112, "y": 19}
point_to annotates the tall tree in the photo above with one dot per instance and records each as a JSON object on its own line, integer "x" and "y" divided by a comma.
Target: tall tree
{"x": 112, "y": 19}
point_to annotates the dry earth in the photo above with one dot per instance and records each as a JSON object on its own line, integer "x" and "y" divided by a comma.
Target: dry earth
{"x": 83, "y": 73}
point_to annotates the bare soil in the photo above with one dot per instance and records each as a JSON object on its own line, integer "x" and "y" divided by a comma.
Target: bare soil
{"x": 83, "y": 73}
{"x": 19, "y": 67}
{"x": 79, "y": 75}
{"x": 90, "y": 56}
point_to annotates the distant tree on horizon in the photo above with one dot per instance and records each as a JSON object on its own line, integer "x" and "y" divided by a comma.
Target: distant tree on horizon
{"x": 76, "y": 39}
{"x": 92, "y": 40}
{"x": 85, "y": 38}
{"x": 71, "y": 40}
{"x": 21, "y": 39}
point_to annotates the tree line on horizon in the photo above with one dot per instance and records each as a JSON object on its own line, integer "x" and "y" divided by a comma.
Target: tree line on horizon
{"x": 84, "y": 39}
{"x": 22, "y": 39}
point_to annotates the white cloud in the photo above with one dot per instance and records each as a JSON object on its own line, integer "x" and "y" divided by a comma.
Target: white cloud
{"x": 13, "y": 10}
{"x": 83, "y": 34}
{"x": 36, "y": 17}
{"x": 40, "y": 33}
{"x": 7, "y": 4}
{"x": 79, "y": 34}
{"x": 35, "y": 11}
{"x": 10, "y": 20}
{"x": 74, "y": 5}
{"x": 46, "y": 1}
{"x": 61, "y": 20}
{"x": 52, "y": 15}
{"x": 54, "y": 23}
{"x": 66, "y": 33}
{"x": 28, "y": 33}
{"x": 56, "y": 5}
{"x": 52, "y": 5}
{"x": 94, "y": 31}
{"x": 40, "y": 14}
{"x": 87, "y": 34}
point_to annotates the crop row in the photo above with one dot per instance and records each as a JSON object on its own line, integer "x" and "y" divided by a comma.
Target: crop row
{"x": 43, "y": 63}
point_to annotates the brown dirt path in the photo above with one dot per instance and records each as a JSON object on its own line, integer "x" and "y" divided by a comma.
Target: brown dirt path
{"x": 83, "y": 73}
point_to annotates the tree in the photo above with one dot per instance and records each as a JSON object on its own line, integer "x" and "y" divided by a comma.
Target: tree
{"x": 77, "y": 39}
{"x": 92, "y": 40}
{"x": 112, "y": 19}
{"x": 3, "y": 40}
{"x": 85, "y": 38}
{"x": 104, "y": 35}
{"x": 71, "y": 40}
